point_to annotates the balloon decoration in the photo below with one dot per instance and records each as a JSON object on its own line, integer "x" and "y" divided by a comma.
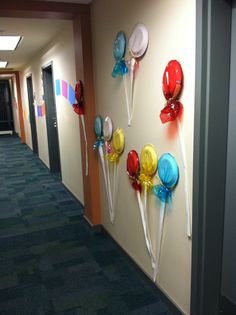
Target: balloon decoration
{"x": 118, "y": 143}
{"x": 79, "y": 110}
{"x": 119, "y": 48}
{"x": 168, "y": 172}
{"x": 138, "y": 43}
{"x": 172, "y": 84}
{"x": 120, "y": 67}
{"x": 141, "y": 180}
{"x": 114, "y": 146}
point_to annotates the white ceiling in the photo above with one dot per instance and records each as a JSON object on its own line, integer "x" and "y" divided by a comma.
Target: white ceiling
{"x": 37, "y": 34}
{"x": 71, "y": 1}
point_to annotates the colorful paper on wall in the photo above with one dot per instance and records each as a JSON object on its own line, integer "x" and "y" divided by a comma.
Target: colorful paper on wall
{"x": 58, "y": 87}
{"x": 71, "y": 97}
{"x": 64, "y": 87}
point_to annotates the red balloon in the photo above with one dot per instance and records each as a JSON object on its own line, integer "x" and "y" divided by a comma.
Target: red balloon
{"x": 171, "y": 111}
{"x": 133, "y": 168}
{"x": 79, "y": 91}
{"x": 172, "y": 80}
{"x": 132, "y": 164}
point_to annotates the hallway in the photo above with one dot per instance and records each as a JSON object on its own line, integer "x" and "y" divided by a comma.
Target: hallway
{"x": 51, "y": 262}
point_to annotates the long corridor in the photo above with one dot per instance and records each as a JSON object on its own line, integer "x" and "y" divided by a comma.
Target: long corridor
{"x": 51, "y": 261}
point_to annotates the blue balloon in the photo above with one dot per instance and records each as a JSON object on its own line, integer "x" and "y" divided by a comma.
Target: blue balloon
{"x": 168, "y": 170}
{"x": 119, "y": 46}
{"x": 98, "y": 126}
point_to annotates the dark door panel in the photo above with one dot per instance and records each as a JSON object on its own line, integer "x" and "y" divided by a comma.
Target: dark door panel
{"x": 51, "y": 119}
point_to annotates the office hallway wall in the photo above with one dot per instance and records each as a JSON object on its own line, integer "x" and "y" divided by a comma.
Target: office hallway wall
{"x": 51, "y": 262}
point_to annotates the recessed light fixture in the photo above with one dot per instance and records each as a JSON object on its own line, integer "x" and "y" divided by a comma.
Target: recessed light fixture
{"x": 9, "y": 42}
{"x": 3, "y": 64}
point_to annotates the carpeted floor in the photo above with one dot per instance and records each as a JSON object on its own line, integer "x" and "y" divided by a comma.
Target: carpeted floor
{"x": 51, "y": 262}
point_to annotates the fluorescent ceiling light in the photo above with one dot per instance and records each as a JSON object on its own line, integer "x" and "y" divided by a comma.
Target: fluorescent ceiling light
{"x": 9, "y": 42}
{"x": 3, "y": 64}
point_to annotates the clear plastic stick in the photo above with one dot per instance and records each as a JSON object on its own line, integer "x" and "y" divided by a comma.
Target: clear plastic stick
{"x": 126, "y": 99}
{"x": 159, "y": 240}
{"x": 86, "y": 144}
{"x": 101, "y": 154}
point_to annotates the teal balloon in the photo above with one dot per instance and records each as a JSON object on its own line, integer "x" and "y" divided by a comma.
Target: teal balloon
{"x": 168, "y": 170}
{"x": 98, "y": 126}
{"x": 119, "y": 46}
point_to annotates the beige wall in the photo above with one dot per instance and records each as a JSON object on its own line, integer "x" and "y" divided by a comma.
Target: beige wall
{"x": 61, "y": 53}
{"x": 171, "y": 26}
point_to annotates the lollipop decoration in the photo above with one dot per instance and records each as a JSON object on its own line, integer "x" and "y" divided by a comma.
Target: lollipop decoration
{"x": 148, "y": 160}
{"x": 79, "y": 110}
{"x": 120, "y": 67}
{"x": 98, "y": 129}
{"x": 118, "y": 143}
{"x": 172, "y": 84}
{"x": 133, "y": 171}
{"x": 138, "y": 43}
{"x": 168, "y": 172}
{"x": 107, "y": 136}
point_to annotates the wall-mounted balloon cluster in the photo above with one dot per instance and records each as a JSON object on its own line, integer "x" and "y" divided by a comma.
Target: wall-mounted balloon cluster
{"x": 142, "y": 173}
{"x": 110, "y": 146}
{"x": 138, "y": 43}
{"x": 172, "y": 84}
{"x": 141, "y": 178}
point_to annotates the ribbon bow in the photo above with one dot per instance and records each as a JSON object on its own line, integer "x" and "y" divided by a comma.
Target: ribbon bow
{"x": 120, "y": 68}
{"x": 78, "y": 108}
{"x": 98, "y": 143}
{"x": 113, "y": 157}
{"x": 162, "y": 192}
{"x": 171, "y": 111}
{"x": 146, "y": 180}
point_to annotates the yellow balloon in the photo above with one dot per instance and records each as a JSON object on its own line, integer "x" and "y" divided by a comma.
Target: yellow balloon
{"x": 118, "y": 141}
{"x": 148, "y": 160}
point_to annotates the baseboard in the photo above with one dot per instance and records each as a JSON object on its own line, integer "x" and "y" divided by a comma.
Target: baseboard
{"x": 227, "y": 306}
{"x": 6, "y": 132}
{"x": 172, "y": 307}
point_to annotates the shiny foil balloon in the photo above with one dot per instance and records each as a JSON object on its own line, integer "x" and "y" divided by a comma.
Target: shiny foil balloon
{"x": 79, "y": 96}
{"x": 98, "y": 126}
{"x": 133, "y": 169}
{"x": 172, "y": 80}
{"x": 119, "y": 47}
{"x": 118, "y": 143}
{"x": 168, "y": 170}
{"x": 149, "y": 161}
{"x": 107, "y": 133}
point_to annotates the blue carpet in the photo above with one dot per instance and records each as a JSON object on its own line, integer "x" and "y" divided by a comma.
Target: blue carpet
{"x": 51, "y": 262}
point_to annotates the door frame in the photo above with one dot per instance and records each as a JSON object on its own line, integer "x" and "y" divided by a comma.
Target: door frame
{"x": 213, "y": 40}
{"x": 43, "y": 68}
{"x": 36, "y": 135}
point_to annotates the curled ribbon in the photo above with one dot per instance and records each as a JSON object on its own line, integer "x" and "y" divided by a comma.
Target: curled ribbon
{"x": 146, "y": 180}
{"x": 135, "y": 183}
{"x": 171, "y": 111}
{"x": 162, "y": 192}
{"x": 120, "y": 68}
{"x": 78, "y": 108}
{"x": 113, "y": 157}
{"x": 97, "y": 144}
